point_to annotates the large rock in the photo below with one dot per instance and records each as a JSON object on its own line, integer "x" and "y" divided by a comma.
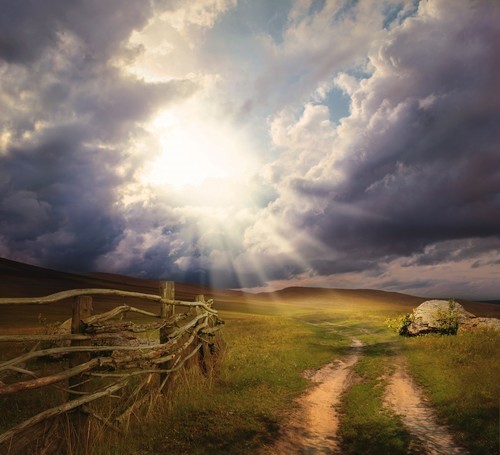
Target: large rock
{"x": 439, "y": 316}
{"x": 429, "y": 317}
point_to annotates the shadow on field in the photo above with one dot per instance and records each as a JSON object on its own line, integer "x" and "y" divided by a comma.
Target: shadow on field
{"x": 212, "y": 439}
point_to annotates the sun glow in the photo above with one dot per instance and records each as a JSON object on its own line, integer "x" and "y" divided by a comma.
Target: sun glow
{"x": 194, "y": 149}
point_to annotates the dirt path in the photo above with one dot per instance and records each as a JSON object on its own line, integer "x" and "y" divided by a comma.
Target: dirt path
{"x": 405, "y": 398}
{"x": 313, "y": 429}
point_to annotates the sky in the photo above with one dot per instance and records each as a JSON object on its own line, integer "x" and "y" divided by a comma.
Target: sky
{"x": 255, "y": 144}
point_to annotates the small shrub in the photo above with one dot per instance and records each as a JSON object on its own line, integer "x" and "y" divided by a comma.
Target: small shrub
{"x": 448, "y": 319}
{"x": 400, "y": 324}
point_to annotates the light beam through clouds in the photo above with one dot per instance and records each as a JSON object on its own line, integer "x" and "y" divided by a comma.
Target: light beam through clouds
{"x": 255, "y": 144}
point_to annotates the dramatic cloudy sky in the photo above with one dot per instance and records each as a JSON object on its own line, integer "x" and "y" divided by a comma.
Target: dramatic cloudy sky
{"x": 255, "y": 143}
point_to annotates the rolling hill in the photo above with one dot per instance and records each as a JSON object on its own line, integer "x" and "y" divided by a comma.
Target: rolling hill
{"x": 24, "y": 280}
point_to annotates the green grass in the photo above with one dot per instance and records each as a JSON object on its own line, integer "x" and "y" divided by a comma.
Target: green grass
{"x": 366, "y": 425}
{"x": 461, "y": 377}
{"x": 269, "y": 345}
{"x": 241, "y": 410}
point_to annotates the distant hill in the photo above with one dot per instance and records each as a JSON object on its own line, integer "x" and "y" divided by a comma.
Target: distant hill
{"x": 295, "y": 292}
{"x": 24, "y": 280}
{"x": 371, "y": 296}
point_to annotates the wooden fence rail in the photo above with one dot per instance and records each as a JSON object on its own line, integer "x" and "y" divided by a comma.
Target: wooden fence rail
{"x": 106, "y": 355}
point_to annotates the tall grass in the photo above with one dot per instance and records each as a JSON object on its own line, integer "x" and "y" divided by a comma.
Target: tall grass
{"x": 242, "y": 409}
{"x": 461, "y": 376}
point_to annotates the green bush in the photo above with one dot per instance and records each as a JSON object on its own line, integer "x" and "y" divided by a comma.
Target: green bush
{"x": 400, "y": 324}
{"x": 448, "y": 320}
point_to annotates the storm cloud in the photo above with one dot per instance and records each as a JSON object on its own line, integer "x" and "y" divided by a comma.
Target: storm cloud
{"x": 416, "y": 161}
{"x": 67, "y": 117}
{"x": 358, "y": 142}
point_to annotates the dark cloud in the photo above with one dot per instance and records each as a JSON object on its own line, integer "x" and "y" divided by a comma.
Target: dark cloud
{"x": 28, "y": 28}
{"x": 341, "y": 265}
{"x": 57, "y": 200}
{"x": 414, "y": 163}
{"x": 410, "y": 284}
{"x": 456, "y": 251}
{"x": 69, "y": 116}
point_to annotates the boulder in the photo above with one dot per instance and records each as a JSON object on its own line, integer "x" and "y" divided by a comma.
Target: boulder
{"x": 429, "y": 317}
{"x": 443, "y": 316}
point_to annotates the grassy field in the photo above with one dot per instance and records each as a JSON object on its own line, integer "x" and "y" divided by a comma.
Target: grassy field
{"x": 271, "y": 340}
{"x": 461, "y": 377}
{"x": 242, "y": 408}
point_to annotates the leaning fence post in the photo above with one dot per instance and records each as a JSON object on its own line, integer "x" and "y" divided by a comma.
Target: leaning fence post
{"x": 167, "y": 293}
{"x": 82, "y": 309}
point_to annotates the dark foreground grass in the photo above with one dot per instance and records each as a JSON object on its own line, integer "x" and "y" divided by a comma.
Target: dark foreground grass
{"x": 239, "y": 411}
{"x": 367, "y": 427}
{"x": 461, "y": 377}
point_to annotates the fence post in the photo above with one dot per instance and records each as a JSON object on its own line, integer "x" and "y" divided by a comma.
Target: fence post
{"x": 82, "y": 309}
{"x": 167, "y": 293}
{"x": 204, "y": 351}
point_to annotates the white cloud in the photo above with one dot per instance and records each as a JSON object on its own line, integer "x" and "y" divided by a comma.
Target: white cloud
{"x": 385, "y": 182}
{"x": 315, "y": 46}
{"x": 202, "y": 13}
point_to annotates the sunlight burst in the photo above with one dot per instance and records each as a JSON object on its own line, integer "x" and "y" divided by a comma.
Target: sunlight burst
{"x": 195, "y": 149}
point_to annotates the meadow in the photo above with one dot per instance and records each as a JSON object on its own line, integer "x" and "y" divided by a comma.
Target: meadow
{"x": 274, "y": 341}
{"x": 271, "y": 340}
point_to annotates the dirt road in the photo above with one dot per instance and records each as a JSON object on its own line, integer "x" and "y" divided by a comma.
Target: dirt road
{"x": 406, "y": 399}
{"x": 313, "y": 430}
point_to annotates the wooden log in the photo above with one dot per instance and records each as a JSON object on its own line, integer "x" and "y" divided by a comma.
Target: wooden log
{"x": 152, "y": 351}
{"x": 192, "y": 304}
{"x": 73, "y": 349}
{"x": 211, "y": 330}
{"x": 75, "y": 293}
{"x": 127, "y": 326}
{"x": 117, "y": 311}
{"x": 65, "y": 337}
{"x": 58, "y": 296}
{"x": 82, "y": 309}
{"x": 187, "y": 326}
{"x": 48, "y": 380}
{"x": 58, "y": 410}
{"x": 204, "y": 351}
{"x": 167, "y": 292}
{"x": 177, "y": 355}
{"x": 153, "y": 357}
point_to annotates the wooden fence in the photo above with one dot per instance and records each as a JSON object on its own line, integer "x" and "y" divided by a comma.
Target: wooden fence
{"x": 105, "y": 354}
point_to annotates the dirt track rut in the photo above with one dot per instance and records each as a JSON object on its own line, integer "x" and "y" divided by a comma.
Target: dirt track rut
{"x": 406, "y": 399}
{"x": 314, "y": 429}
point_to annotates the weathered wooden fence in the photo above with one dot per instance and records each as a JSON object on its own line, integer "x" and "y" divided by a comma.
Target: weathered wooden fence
{"x": 105, "y": 354}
